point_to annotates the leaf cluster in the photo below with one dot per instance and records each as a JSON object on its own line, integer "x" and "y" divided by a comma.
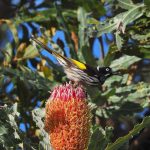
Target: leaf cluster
{"x": 27, "y": 73}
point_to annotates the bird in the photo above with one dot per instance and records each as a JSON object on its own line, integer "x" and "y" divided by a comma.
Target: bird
{"x": 79, "y": 72}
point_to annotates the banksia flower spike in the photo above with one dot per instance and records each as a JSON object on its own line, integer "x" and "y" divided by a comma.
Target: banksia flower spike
{"x": 67, "y": 118}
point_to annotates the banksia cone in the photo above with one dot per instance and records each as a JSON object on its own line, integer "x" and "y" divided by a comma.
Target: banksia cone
{"x": 67, "y": 118}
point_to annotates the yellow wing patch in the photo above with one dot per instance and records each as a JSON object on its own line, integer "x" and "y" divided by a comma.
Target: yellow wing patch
{"x": 79, "y": 64}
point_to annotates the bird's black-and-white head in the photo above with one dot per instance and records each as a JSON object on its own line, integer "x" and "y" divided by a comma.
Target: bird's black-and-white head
{"x": 104, "y": 73}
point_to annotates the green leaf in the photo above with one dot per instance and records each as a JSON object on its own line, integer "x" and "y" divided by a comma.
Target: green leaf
{"x": 10, "y": 134}
{"x": 129, "y": 108}
{"x": 27, "y": 79}
{"x": 3, "y": 129}
{"x": 119, "y": 22}
{"x": 147, "y": 2}
{"x": 145, "y": 51}
{"x": 110, "y": 56}
{"x": 148, "y": 13}
{"x": 38, "y": 116}
{"x": 109, "y": 92}
{"x": 88, "y": 57}
{"x": 121, "y": 108}
{"x": 133, "y": 14}
{"x": 119, "y": 40}
{"x": 114, "y": 80}
{"x": 83, "y": 39}
{"x": 62, "y": 22}
{"x": 94, "y": 6}
{"x": 124, "y": 62}
{"x": 108, "y": 27}
{"x": 97, "y": 141}
{"x": 141, "y": 37}
{"x": 84, "y": 52}
{"x": 8, "y": 53}
{"x": 100, "y": 137}
{"x": 126, "y": 4}
{"x": 30, "y": 52}
{"x": 115, "y": 99}
{"x": 106, "y": 112}
{"x": 139, "y": 94}
{"x": 135, "y": 91}
{"x": 92, "y": 21}
{"x": 137, "y": 128}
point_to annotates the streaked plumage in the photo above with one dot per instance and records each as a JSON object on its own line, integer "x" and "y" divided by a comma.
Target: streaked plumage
{"x": 79, "y": 72}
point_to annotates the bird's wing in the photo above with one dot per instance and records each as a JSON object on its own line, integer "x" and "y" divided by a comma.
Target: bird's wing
{"x": 79, "y": 65}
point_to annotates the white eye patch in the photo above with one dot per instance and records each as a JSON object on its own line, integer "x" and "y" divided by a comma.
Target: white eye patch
{"x": 107, "y": 69}
{"x": 98, "y": 67}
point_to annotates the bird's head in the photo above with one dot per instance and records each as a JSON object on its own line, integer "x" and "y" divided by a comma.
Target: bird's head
{"x": 105, "y": 72}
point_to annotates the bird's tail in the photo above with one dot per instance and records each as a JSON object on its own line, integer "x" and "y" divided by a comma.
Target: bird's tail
{"x": 62, "y": 60}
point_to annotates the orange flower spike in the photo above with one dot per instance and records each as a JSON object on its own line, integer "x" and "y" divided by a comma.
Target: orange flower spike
{"x": 68, "y": 118}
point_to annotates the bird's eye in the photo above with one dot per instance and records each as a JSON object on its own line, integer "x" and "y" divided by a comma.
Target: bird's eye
{"x": 107, "y": 69}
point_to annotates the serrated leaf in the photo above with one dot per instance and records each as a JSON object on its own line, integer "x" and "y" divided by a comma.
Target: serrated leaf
{"x": 107, "y": 28}
{"x": 147, "y": 2}
{"x": 109, "y": 92}
{"x": 97, "y": 141}
{"x": 115, "y": 98}
{"x": 114, "y": 23}
{"x": 126, "y": 4}
{"x": 110, "y": 56}
{"x": 135, "y": 90}
{"x": 8, "y": 54}
{"x": 113, "y": 79}
{"x": 125, "y": 79}
{"x": 96, "y": 7}
{"x": 119, "y": 40}
{"x": 128, "y": 108}
{"x": 10, "y": 134}
{"x": 137, "y": 128}
{"x": 3, "y": 129}
{"x": 29, "y": 80}
{"x": 65, "y": 27}
{"x": 141, "y": 37}
{"x": 127, "y": 88}
{"x": 122, "y": 108}
{"x": 147, "y": 13}
{"x": 106, "y": 112}
{"x": 100, "y": 137}
{"x": 145, "y": 51}
{"x": 82, "y": 15}
{"x": 47, "y": 73}
{"x": 92, "y": 21}
{"x": 124, "y": 62}
{"x": 84, "y": 52}
{"x": 109, "y": 133}
{"x": 133, "y": 14}
{"x": 38, "y": 116}
{"x": 140, "y": 93}
{"x": 30, "y": 52}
